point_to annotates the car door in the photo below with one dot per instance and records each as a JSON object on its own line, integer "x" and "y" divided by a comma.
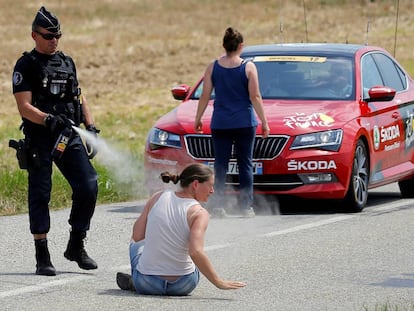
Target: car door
{"x": 386, "y": 125}
{"x": 396, "y": 78}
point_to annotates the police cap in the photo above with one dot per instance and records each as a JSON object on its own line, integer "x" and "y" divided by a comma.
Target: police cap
{"x": 47, "y": 20}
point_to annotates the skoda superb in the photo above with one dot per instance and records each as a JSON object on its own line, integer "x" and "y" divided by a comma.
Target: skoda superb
{"x": 341, "y": 119}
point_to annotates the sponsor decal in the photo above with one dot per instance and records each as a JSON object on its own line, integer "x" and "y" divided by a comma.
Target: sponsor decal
{"x": 386, "y": 134}
{"x": 409, "y": 130}
{"x": 376, "y": 136}
{"x": 302, "y": 120}
{"x": 294, "y": 165}
{"x": 395, "y": 145}
{"x": 285, "y": 58}
{"x": 389, "y": 133}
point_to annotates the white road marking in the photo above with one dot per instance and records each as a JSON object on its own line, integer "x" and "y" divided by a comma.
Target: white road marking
{"x": 382, "y": 207}
{"x": 218, "y": 246}
{"x": 42, "y": 286}
{"x": 308, "y": 226}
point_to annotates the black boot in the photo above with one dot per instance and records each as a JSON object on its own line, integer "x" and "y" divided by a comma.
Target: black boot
{"x": 76, "y": 251}
{"x": 43, "y": 264}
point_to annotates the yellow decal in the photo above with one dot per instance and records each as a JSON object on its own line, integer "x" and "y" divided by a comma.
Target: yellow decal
{"x": 325, "y": 118}
{"x": 275, "y": 58}
{"x": 302, "y": 120}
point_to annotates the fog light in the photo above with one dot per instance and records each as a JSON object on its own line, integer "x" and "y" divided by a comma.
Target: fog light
{"x": 317, "y": 178}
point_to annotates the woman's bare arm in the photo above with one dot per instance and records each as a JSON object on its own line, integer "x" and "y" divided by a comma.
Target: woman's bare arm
{"x": 196, "y": 249}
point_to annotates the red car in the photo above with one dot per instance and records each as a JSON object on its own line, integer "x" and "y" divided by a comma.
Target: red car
{"x": 341, "y": 119}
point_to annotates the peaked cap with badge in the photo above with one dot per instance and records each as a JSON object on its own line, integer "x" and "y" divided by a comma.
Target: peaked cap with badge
{"x": 46, "y": 20}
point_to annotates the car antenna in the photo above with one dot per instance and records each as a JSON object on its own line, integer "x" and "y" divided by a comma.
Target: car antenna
{"x": 396, "y": 26}
{"x": 366, "y": 35}
{"x": 281, "y": 38}
{"x": 281, "y": 32}
{"x": 306, "y": 23}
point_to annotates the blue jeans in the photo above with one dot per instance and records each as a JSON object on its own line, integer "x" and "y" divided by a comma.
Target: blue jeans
{"x": 243, "y": 140}
{"x": 155, "y": 285}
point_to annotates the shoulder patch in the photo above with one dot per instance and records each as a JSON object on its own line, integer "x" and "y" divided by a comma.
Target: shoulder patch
{"x": 17, "y": 78}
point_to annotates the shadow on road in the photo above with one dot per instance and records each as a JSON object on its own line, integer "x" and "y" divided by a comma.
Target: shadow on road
{"x": 405, "y": 281}
{"x": 120, "y": 292}
{"x": 292, "y": 205}
{"x": 274, "y": 205}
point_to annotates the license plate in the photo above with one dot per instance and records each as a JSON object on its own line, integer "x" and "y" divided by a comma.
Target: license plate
{"x": 233, "y": 168}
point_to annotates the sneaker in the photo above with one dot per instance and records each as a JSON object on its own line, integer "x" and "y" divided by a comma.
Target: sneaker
{"x": 218, "y": 212}
{"x": 248, "y": 212}
{"x": 124, "y": 281}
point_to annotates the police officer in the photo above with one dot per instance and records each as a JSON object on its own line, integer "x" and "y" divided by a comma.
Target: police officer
{"x": 48, "y": 98}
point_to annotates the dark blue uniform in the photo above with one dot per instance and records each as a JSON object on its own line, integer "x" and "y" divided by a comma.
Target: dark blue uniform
{"x": 53, "y": 82}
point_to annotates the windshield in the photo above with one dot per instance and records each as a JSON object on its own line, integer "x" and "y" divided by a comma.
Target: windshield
{"x": 303, "y": 77}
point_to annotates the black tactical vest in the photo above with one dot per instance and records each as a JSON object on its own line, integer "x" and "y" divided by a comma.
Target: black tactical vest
{"x": 56, "y": 90}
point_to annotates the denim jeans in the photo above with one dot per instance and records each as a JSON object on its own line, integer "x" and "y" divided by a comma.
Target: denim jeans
{"x": 243, "y": 140}
{"x": 155, "y": 285}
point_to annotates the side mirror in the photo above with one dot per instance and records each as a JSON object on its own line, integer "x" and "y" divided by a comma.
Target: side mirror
{"x": 180, "y": 92}
{"x": 380, "y": 93}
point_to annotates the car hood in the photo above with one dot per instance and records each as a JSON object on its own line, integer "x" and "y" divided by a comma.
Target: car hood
{"x": 289, "y": 117}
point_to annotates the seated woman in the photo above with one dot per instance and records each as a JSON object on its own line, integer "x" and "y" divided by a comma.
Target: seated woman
{"x": 167, "y": 244}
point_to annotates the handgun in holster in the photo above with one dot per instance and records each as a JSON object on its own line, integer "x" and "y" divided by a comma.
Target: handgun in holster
{"x": 22, "y": 152}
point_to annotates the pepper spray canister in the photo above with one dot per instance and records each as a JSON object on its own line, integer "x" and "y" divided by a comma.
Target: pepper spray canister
{"x": 61, "y": 143}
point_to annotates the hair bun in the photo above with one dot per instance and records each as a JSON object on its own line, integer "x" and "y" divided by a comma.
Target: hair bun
{"x": 167, "y": 177}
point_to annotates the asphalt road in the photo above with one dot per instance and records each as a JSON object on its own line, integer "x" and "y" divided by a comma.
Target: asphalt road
{"x": 306, "y": 259}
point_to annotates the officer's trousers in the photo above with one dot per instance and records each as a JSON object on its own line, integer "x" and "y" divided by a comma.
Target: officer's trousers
{"x": 76, "y": 167}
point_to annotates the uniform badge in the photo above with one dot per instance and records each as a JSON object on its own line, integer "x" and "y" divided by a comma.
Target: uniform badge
{"x": 17, "y": 78}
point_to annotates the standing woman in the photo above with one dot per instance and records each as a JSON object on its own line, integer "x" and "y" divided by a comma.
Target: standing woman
{"x": 167, "y": 244}
{"x": 237, "y": 95}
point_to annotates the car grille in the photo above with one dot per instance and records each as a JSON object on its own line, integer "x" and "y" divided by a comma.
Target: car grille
{"x": 200, "y": 147}
{"x": 269, "y": 182}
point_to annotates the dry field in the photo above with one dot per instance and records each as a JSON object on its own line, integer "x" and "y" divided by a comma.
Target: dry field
{"x": 129, "y": 53}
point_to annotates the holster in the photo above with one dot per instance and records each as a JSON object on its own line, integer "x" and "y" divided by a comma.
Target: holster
{"x": 22, "y": 152}
{"x": 27, "y": 157}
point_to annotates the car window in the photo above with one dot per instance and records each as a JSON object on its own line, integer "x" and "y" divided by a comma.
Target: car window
{"x": 199, "y": 90}
{"x": 302, "y": 77}
{"x": 389, "y": 71}
{"x": 403, "y": 77}
{"x": 370, "y": 74}
{"x": 306, "y": 77}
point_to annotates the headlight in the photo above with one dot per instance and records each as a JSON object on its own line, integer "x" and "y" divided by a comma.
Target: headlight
{"x": 327, "y": 140}
{"x": 159, "y": 138}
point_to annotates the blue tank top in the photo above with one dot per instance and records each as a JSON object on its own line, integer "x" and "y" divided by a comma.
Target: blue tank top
{"x": 232, "y": 105}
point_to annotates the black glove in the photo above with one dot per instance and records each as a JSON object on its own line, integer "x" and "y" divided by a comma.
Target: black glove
{"x": 92, "y": 144}
{"x": 92, "y": 129}
{"x": 57, "y": 123}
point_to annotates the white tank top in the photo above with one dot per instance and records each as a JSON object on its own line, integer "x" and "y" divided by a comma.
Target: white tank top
{"x": 166, "y": 237}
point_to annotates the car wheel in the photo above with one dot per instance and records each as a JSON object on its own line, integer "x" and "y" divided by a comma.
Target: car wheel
{"x": 406, "y": 188}
{"x": 357, "y": 194}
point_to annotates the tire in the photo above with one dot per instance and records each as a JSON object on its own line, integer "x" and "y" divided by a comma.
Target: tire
{"x": 406, "y": 188}
{"x": 357, "y": 194}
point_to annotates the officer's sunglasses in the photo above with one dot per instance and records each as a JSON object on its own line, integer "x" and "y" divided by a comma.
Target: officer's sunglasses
{"x": 49, "y": 36}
